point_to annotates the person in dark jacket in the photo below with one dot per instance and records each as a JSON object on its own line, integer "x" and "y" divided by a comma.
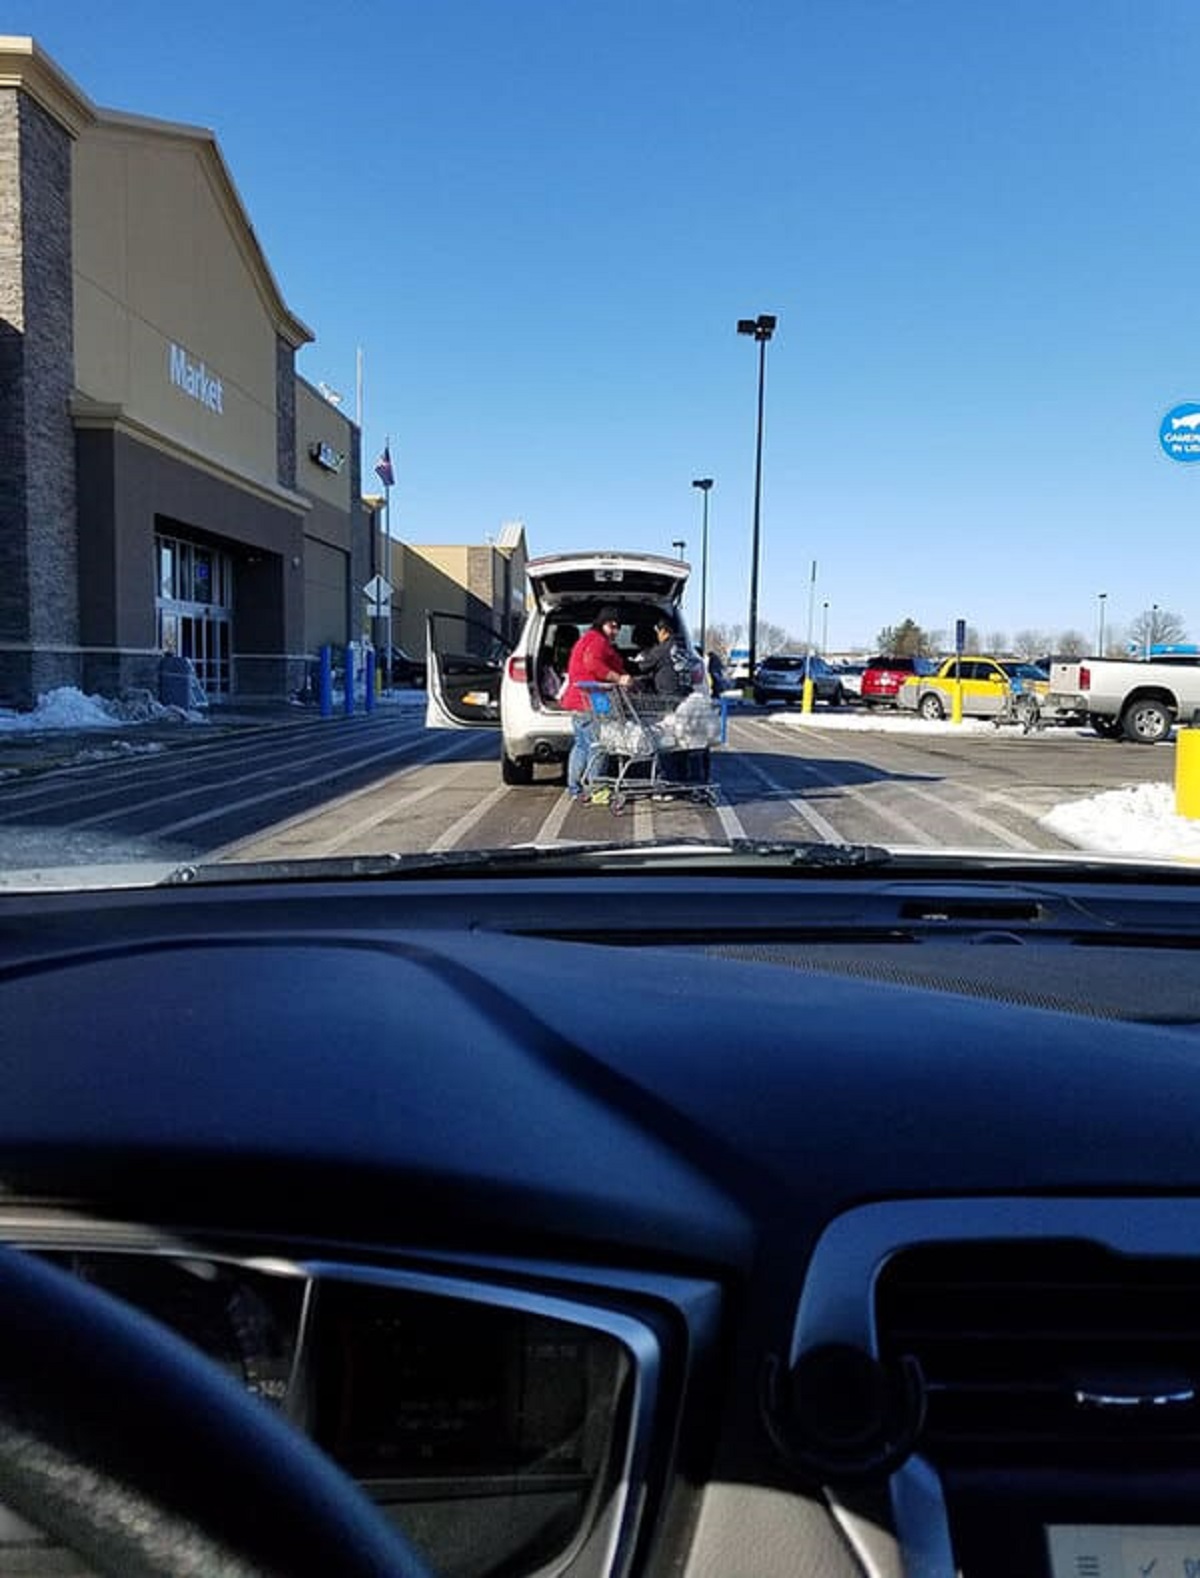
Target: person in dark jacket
{"x": 668, "y": 663}
{"x": 716, "y": 672}
{"x": 669, "y": 669}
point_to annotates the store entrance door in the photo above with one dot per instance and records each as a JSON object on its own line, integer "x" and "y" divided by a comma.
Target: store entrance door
{"x": 194, "y": 609}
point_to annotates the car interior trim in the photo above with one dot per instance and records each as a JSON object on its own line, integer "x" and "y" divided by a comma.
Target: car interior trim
{"x": 910, "y": 1532}
{"x": 596, "y": 1300}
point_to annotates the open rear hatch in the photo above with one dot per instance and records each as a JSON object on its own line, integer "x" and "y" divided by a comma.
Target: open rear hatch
{"x": 561, "y": 577}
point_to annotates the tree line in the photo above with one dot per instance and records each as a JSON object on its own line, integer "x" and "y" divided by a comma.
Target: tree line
{"x": 1153, "y": 627}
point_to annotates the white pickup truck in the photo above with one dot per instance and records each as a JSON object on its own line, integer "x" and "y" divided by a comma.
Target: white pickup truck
{"x": 1125, "y": 698}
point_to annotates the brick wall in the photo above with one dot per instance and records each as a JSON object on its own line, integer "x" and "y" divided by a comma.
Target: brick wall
{"x": 39, "y": 602}
{"x": 285, "y": 412}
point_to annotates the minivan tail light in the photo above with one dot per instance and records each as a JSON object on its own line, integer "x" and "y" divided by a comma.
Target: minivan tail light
{"x": 518, "y": 669}
{"x": 1085, "y": 677}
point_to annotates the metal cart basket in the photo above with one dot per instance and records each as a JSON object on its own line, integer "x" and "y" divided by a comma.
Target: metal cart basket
{"x": 643, "y": 744}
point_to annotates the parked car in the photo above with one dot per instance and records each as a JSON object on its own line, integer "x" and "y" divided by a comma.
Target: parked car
{"x": 781, "y": 678}
{"x": 988, "y": 685}
{"x": 851, "y": 676}
{"x": 502, "y": 686}
{"x": 406, "y": 670}
{"x": 737, "y": 670}
{"x": 883, "y": 676}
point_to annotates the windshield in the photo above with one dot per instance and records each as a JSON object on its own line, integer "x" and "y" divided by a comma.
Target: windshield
{"x": 517, "y": 427}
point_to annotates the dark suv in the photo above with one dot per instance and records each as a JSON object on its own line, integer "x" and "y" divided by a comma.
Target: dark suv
{"x": 883, "y": 677}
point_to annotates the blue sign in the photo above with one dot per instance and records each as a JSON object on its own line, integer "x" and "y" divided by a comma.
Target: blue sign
{"x": 1179, "y": 433}
{"x": 960, "y": 636}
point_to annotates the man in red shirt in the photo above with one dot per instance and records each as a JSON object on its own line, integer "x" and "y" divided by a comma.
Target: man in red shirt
{"x": 594, "y": 658}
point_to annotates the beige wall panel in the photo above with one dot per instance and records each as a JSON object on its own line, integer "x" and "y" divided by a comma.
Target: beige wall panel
{"x": 152, "y": 241}
{"x": 100, "y": 216}
{"x": 101, "y": 344}
{"x": 241, "y": 434}
{"x": 319, "y": 422}
{"x": 450, "y": 559}
{"x": 425, "y": 585}
{"x": 162, "y": 238}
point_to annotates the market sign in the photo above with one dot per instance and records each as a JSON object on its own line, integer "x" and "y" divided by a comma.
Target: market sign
{"x": 328, "y": 458}
{"x": 195, "y": 379}
{"x": 1179, "y": 433}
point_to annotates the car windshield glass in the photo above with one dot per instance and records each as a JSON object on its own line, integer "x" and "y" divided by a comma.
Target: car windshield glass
{"x": 353, "y": 506}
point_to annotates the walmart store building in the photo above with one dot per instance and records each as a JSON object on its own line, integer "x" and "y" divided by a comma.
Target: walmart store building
{"x": 168, "y": 484}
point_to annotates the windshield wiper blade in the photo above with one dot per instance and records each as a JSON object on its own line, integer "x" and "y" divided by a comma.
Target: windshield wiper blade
{"x": 814, "y": 855}
{"x": 608, "y": 855}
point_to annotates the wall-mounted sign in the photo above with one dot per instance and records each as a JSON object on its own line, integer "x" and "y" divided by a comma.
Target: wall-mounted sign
{"x": 195, "y": 379}
{"x": 1179, "y": 432}
{"x": 325, "y": 456}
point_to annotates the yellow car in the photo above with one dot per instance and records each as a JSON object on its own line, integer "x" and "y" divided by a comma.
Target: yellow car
{"x": 988, "y": 687}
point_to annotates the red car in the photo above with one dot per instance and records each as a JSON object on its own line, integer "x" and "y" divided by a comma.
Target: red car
{"x": 883, "y": 677}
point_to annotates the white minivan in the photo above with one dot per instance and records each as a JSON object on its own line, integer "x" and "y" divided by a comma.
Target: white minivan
{"x": 476, "y": 681}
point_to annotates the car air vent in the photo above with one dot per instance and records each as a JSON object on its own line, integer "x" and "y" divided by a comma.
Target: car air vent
{"x": 1047, "y": 1353}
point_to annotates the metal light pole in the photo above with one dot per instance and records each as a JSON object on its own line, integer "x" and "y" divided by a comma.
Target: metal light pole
{"x": 761, "y": 328}
{"x": 679, "y": 545}
{"x": 704, "y": 484}
{"x": 1101, "y": 598}
{"x": 825, "y": 629}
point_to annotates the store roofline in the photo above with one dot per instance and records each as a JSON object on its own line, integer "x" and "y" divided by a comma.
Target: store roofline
{"x": 25, "y": 65}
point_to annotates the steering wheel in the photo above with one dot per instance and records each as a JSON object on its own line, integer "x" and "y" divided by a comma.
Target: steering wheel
{"x": 125, "y": 1444}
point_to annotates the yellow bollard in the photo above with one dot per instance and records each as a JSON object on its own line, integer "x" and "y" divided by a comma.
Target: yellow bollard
{"x": 806, "y": 699}
{"x": 956, "y": 701}
{"x": 1187, "y": 773}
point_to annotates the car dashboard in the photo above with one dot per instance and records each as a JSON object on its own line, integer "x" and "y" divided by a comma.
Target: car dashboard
{"x": 841, "y": 1223}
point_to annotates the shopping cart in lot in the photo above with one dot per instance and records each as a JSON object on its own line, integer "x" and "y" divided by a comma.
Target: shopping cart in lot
{"x": 1022, "y": 706}
{"x": 650, "y": 746}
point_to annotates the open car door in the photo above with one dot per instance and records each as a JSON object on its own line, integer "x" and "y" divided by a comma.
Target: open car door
{"x": 465, "y": 664}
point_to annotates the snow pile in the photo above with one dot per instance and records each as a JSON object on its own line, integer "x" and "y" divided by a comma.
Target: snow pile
{"x": 68, "y": 708}
{"x": 1139, "y": 820}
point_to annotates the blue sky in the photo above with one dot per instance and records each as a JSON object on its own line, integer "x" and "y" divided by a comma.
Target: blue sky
{"x": 540, "y": 219}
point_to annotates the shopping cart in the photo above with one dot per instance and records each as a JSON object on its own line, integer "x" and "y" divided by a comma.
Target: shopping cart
{"x": 651, "y": 746}
{"x": 1022, "y": 706}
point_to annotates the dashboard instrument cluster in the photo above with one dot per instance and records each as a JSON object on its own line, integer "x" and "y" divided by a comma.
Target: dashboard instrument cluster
{"x": 498, "y": 1427}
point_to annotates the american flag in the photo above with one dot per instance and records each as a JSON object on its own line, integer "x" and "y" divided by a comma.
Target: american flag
{"x": 383, "y": 467}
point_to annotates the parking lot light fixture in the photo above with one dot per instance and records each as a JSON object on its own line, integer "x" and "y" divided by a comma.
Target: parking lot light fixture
{"x": 761, "y": 329}
{"x": 705, "y": 485}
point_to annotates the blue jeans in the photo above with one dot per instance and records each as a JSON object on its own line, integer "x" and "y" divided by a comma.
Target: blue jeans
{"x": 581, "y": 749}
